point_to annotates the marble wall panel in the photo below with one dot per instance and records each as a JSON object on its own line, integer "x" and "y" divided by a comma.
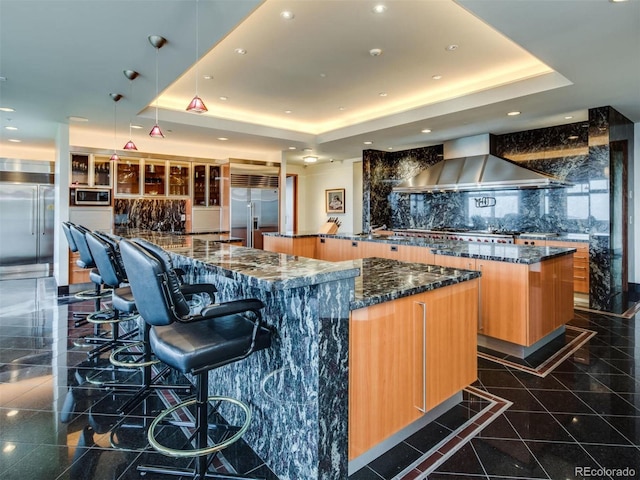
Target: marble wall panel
{"x": 578, "y": 152}
{"x": 150, "y": 214}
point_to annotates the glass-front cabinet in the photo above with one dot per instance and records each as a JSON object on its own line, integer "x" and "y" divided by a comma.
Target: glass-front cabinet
{"x": 154, "y": 178}
{"x": 206, "y": 185}
{"x": 88, "y": 170}
{"x": 128, "y": 177}
{"x": 102, "y": 172}
{"x": 79, "y": 169}
{"x": 178, "y": 179}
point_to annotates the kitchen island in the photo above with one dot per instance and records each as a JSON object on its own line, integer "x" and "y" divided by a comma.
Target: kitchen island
{"x": 526, "y": 294}
{"x": 299, "y": 389}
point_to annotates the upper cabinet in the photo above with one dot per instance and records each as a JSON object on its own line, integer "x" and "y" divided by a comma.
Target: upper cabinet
{"x": 128, "y": 177}
{"x": 102, "y": 172}
{"x": 90, "y": 170}
{"x": 178, "y": 179}
{"x": 206, "y": 185}
{"x": 154, "y": 178}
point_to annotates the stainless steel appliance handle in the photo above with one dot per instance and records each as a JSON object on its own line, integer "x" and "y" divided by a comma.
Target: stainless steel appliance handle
{"x": 34, "y": 211}
{"x": 250, "y": 225}
{"x": 424, "y": 357}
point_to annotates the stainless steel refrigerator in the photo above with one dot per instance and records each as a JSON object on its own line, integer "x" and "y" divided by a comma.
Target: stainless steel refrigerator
{"x": 254, "y": 202}
{"x": 26, "y": 224}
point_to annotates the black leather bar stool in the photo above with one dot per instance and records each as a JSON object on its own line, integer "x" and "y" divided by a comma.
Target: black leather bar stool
{"x": 140, "y": 354}
{"x": 77, "y": 243}
{"x": 193, "y": 344}
{"x": 104, "y": 252}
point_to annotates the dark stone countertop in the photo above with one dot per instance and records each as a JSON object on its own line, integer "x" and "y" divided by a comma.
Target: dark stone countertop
{"x": 498, "y": 252}
{"x": 383, "y": 280}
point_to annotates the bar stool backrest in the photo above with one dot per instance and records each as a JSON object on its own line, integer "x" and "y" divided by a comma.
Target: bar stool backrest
{"x": 78, "y": 232}
{"x": 155, "y": 288}
{"x": 66, "y": 228}
{"x": 104, "y": 256}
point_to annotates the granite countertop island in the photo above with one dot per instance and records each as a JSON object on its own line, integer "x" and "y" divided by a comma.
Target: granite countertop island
{"x": 298, "y": 388}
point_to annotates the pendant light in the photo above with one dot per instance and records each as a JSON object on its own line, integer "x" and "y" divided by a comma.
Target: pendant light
{"x": 116, "y": 98}
{"x": 157, "y": 42}
{"x": 197, "y": 105}
{"x": 131, "y": 75}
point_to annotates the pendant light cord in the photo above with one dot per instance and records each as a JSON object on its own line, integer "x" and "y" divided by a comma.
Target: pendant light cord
{"x": 197, "y": 43}
{"x": 157, "y": 54}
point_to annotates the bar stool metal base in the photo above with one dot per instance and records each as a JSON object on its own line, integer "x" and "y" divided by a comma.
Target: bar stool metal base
{"x": 199, "y": 436}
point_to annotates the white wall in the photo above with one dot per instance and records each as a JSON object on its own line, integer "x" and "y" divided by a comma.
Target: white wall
{"x": 313, "y": 180}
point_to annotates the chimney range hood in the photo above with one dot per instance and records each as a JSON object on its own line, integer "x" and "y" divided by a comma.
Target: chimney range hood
{"x": 477, "y": 172}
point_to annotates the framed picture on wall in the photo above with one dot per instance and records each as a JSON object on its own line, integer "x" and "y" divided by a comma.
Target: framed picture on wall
{"x": 334, "y": 200}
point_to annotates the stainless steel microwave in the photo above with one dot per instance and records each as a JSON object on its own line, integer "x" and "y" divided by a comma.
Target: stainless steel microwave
{"x": 91, "y": 196}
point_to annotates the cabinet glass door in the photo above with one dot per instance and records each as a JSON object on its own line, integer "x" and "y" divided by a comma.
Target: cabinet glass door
{"x": 79, "y": 169}
{"x": 178, "y": 179}
{"x": 128, "y": 177}
{"x": 102, "y": 172}
{"x": 154, "y": 178}
{"x": 214, "y": 186}
{"x": 199, "y": 185}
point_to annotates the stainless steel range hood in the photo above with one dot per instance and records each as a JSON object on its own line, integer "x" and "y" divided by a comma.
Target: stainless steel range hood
{"x": 477, "y": 172}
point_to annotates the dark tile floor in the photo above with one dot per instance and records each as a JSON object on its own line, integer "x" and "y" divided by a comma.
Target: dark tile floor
{"x": 583, "y": 414}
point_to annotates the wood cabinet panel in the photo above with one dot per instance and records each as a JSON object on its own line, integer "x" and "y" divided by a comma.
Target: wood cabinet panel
{"x": 337, "y": 249}
{"x": 76, "y": 273}
{"x": 302, "y": 247}
{"x": 504, "y": 300}
{"x": 580, "y": 263}
{"x": 408, "y": 354}
{"x": 455, "y": 262}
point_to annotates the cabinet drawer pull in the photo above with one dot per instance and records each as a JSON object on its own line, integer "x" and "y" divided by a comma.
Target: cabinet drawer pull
{"x": 579, "y": 278}
{"x": 322, "y": 240}
{"x": 354, "y": 244}
{"x": 394, "y": 248}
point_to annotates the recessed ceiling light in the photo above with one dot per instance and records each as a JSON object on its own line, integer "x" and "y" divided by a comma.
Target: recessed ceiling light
{"x": 323, "y": 75}
{"x": 240, "y": 51}
{"x": 568, "y": 117}
{"x": 74, "y": 118}
{"x": 342, "y": 109}
{"x": 375, "y": 52}
{"x": 287, "y": 15}
{"x": 451, "y": 48}
{"x": 380, "y": 8}
{"x": 6, "y": 109}
{"x": 368, "y": 142}
{"x": 3, "y": 79}
{"x": 292, "y": 148}
{"x": 207, "y": 77}
{"x": 383, "y": 94}
{"x": 15, "y": 140}
{"x": 514, "y": 113}
{"x": 10, "y": 128}
{"x": 136, "y": 126}
{"x": 12, "y": 413}
{"x": 223, "y": 139}
{"x": 223, "y": 98}
{"x": 618, "y": 1}
{"x": 310, "y": 159}
{"x": 389, "y": 148}
{"x": 436, "y": 77}
{"x": 426, "y": 130}
{"x": 288, "y": 112}
{"x": 308, "y": 150}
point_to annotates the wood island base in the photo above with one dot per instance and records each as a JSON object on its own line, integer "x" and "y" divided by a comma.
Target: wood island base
{"x": 513, "y": 349}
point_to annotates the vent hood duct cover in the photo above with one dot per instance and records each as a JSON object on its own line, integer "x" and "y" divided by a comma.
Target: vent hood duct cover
{"x": 478, "y": 172}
